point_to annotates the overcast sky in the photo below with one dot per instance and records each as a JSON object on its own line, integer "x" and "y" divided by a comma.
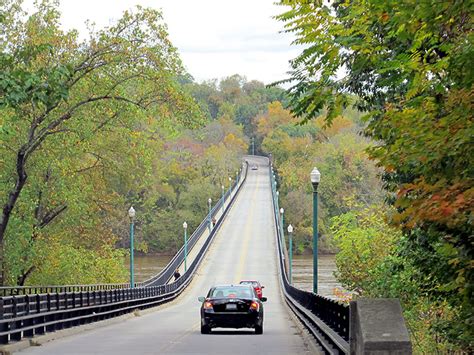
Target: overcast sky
{"x": 215, "y": 38}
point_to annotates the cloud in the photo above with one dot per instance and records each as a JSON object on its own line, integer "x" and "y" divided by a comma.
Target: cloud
{"x": 215, "y": 38}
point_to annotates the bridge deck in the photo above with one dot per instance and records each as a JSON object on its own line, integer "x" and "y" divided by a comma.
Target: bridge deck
{"x": 244, "y": 248}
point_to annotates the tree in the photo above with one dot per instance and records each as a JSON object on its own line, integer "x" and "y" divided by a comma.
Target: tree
{"x": 338, "y": 151}
{"x": 407, "y": 63}
{"x": 57, "y": 96}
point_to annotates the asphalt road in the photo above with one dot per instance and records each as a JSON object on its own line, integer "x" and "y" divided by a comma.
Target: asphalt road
{"x": 244, "y": 248}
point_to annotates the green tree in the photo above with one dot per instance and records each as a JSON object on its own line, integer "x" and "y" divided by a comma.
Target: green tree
{"x": 407, "y": 63}
{"x": 58, "y": 99}
{"x": 338, "y": 151}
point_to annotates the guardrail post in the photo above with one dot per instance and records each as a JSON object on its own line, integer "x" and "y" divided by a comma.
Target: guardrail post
{"x": 39, "y": 319}
{"x": 29, "y": 321}
{"x": 15, "y": 324}
{"x": 3, "y": 325}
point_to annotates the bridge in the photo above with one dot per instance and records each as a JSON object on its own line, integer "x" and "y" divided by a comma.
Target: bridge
{"x": 162, "y": 316}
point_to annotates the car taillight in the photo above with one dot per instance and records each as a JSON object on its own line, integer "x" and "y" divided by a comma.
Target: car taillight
{"x": 254, "y": 305}
{"x": 207, "y": 305}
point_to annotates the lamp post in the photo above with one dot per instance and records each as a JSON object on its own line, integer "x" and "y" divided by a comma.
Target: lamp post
{"x": 230, "y": 186}
{"x": 282, "y": 211}
{"x": 290, "y": 234}
{"x": 223, "y": 201}
{"x": 315, "y": 178}
{"x": 185, "y": 226}
{"x": 277, "y": 200}
{"x": 131, "y": 214}
{"x": 253, "y": 145}
{"x": 210, "y": 225}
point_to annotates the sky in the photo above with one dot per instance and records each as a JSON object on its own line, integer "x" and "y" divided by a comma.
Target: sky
{"x": 215, "y": 38}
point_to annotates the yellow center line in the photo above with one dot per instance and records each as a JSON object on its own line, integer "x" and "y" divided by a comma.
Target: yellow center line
{"x": 247, "y": 235}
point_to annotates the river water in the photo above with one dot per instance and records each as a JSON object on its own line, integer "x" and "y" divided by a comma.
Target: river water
{"x": 148, "y": 266}
{"x": 328, "y": 286}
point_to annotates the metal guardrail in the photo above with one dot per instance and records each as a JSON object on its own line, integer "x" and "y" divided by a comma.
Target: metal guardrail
{"x": 326, "y": 319}
{"x": 29, "y": 290}
{"x": 26, "y": 315}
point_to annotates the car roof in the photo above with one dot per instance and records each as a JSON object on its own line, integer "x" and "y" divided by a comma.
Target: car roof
{"x": 230, "y": 285}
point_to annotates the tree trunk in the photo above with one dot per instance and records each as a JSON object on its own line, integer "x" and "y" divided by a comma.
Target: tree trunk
{"x": 10, "y": 204}
{"x": 22, "y": 278}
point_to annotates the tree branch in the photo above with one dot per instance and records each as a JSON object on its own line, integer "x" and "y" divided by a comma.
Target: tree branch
{"x": 51, "y": 215}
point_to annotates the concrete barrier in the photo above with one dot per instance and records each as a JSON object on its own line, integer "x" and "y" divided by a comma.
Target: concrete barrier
{"x": 377, "y": 327}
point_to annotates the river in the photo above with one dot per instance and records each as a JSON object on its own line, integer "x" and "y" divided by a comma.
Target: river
{"x": 147, "y": 266}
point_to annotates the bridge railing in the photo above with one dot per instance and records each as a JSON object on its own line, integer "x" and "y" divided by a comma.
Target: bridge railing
{"x": 326, "y": 319}
{"x": 26, "y": 315}
{"x": 28, "y": 290}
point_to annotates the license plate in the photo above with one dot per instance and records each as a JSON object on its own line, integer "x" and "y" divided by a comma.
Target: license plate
{"x": 231, "y": 307}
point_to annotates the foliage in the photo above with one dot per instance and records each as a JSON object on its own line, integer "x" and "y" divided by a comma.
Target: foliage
{"x": 364, "y": 241}
{"x": 68, "y": 265}
{"x": 236, "y": 98}
{"x": 195, "y": 165}
{"x": 408, "y": 65}
{"x": 375, "y": 260}
{"x": 70, "y": 112}
{"x": 337, "y": 151}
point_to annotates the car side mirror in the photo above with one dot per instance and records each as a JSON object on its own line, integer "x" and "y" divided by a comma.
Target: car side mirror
{"x": 201, "y": 299}
{"x": 263, "y": 286}
{"x": 263, "y": 299}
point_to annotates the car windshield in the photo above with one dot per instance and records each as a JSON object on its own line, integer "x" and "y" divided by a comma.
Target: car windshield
{"x": 232, "y": 292}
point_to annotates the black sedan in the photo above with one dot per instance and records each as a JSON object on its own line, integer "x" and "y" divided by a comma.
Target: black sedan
{"x": 231, "y": 306}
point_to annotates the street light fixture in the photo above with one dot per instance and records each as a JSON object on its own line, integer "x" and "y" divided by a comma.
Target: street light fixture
{"x": 131, "y": 214}
{"x": 290, "y": 234}
{"x": 185, "y": 226}
{"x": 210, "y": 226}
{"x": 315, "y": 179}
